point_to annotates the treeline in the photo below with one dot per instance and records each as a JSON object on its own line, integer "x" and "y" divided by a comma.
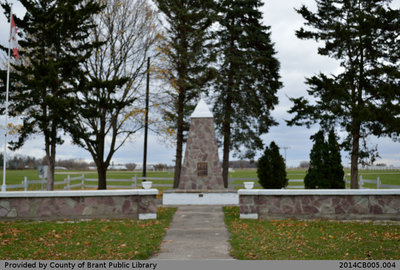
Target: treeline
{"x": 243, "y": 164}
{"x": 21, "y": 162}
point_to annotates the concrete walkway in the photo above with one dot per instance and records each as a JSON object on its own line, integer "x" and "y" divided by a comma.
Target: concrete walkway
{"x": 196, "y": 232}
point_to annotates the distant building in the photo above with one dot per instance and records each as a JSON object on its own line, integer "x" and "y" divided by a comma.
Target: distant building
{"x": 149, "y": 167}
{"x": 117, "y": 167}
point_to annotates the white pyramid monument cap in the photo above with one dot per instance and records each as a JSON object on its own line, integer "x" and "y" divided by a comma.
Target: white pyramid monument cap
{"x": 201, "y": 110}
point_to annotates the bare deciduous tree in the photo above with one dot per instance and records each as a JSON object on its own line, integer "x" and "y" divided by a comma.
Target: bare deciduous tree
{"x": 109, "y": 111}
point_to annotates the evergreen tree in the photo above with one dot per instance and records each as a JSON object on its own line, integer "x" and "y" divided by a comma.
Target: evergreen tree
{"x": 186, "y": 50}
{"x": 363, "y": 36}
{"x": 53, "y": 47}
{"x": 245, "y": 90}
{"x": 271, "y": 168}
{"x": 326, "y": 170}
{"x": 264, "y": 169}
{"x": 316, "y": 176}
{"x": 335, "y": 172}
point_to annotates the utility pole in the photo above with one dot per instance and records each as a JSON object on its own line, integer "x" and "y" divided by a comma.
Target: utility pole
{"x": 146, "y": 120}
{"x": 285, "y": 148}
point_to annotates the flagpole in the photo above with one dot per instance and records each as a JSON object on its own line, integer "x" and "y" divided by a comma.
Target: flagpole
{"x": 4, "y": 187}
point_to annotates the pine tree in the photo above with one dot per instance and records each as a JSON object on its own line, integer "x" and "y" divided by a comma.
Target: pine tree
{"x": 335, "y": 172}
{"x": 326, "y": 170}
{"x": 187, "y": 54}
{"x": 53, "y": 47}
{"x": 264, "y": 169}
{"x": 271, "y": 168}
{"x": 278, "y": 167}
{"x": 245, "y": 90}
{"x": 316, "y": 176}
{"x": 362, "y": 35}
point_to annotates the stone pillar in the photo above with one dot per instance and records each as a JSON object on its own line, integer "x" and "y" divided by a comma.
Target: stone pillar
{"x": 201, "y": 168}
{"x": 248, "y": 206}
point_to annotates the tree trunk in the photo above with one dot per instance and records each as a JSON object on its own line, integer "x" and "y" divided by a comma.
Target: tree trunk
{"x": 99, "y": 153}
{"x": 225, "y": 159}
{"x": 50, "y": 172}
{"x": 102, "y": 175}
{"x": 51, "y": 160}
{"x": 179, "y": 141}
{"x": 178, "y": 162}
{"x": 227, "y": 138}
{"x": 354, "y": 159}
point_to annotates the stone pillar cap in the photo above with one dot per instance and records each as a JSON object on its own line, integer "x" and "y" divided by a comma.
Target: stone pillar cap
{"x": 201, "y": 110}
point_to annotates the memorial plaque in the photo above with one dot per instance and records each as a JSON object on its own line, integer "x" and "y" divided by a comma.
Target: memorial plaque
{"x": 202, "y": 169}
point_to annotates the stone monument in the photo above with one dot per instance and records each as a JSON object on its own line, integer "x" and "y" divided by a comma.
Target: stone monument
{"x": 201, "y": 175}
{"x": 201, "y": 168}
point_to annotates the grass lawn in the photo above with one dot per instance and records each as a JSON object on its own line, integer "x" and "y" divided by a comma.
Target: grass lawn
{"x": 311, "y": 240}
{"x": 124, "y": 239}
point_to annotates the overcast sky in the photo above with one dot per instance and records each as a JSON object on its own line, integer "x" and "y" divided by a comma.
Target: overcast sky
{"x": 298, "y": 58}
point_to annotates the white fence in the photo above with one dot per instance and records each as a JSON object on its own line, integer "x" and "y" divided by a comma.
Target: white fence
{"x": 133, "y": 183}
{"x": 361, "y": 183}
{"x": 82, "y": 182}
{"x": 25, "y": 183}
{"x": 377, "y": 183}
{"x": 380, "y": 168}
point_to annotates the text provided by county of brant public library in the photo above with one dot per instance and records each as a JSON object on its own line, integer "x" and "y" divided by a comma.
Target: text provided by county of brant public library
{"x": 80, "y": 265}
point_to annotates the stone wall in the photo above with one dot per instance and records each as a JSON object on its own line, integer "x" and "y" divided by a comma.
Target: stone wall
{"x": 201, "y": 147}
{"x": 324, "y": 204}
{"x": 56, "y": 205}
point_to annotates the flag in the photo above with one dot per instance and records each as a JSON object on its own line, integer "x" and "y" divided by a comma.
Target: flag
{"x": 14, "y": 42}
